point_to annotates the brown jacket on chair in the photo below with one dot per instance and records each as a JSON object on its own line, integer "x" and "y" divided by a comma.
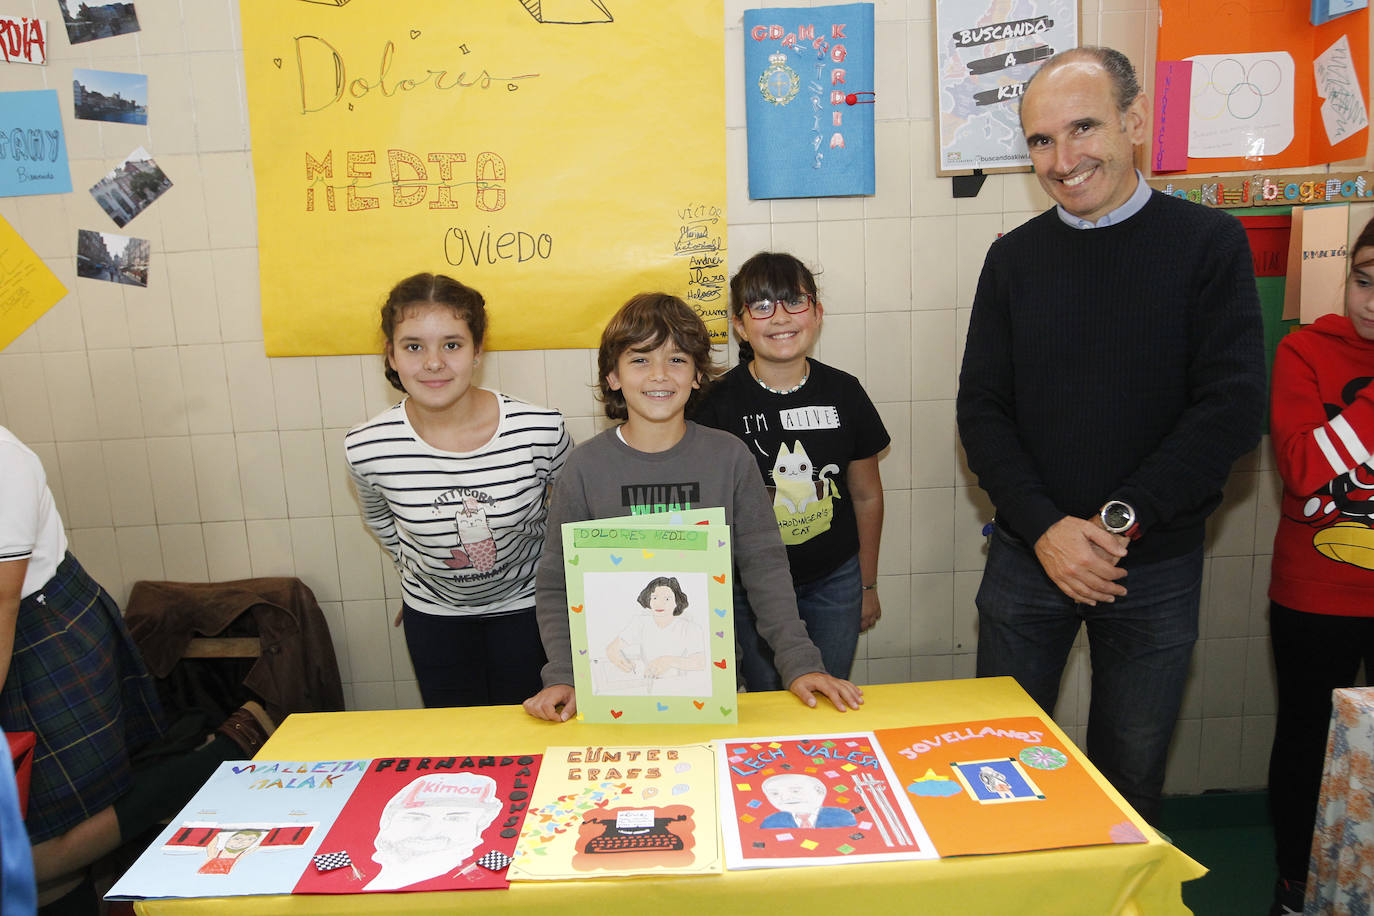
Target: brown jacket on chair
{"x": 297, "y": 671}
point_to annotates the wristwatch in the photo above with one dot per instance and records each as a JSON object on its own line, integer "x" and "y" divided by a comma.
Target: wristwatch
{"x": 1119, "y": 518}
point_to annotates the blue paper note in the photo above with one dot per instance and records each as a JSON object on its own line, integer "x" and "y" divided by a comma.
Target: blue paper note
{"x": 1326, "y": 10}
{"x": 809, "y": 100}
{"x": 33, "y": 148}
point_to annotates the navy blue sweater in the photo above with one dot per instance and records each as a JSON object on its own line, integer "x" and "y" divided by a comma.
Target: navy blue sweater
{"x": 1116, "y": 363}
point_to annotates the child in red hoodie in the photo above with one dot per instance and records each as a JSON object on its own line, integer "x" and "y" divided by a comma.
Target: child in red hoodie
{"x": 1321, "y": 612}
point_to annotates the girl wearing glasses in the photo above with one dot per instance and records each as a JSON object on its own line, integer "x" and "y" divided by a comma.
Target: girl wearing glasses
{"x": 816, "y": 437}
{"x": 453, "y": 481}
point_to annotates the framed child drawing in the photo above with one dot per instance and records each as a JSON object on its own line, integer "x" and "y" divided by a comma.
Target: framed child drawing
{"x": 651, "y": 617}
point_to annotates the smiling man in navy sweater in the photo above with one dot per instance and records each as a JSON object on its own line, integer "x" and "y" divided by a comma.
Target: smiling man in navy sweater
{"x": 1113, "y": 373}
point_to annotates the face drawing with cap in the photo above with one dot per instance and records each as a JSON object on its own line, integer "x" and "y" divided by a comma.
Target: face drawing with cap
{"x": 431, "y": 826}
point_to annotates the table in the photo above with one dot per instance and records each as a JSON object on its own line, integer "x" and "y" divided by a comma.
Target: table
{"x": 1129, "y": 879}
{"x": 1339, "y": 879}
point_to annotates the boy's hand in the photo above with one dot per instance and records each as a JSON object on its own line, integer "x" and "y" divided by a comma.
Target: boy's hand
{"x": 556, "y": 704}
{"x": 842, "y": 693}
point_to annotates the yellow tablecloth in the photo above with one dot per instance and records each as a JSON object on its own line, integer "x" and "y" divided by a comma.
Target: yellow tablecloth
{"x": 1096, "y": 880}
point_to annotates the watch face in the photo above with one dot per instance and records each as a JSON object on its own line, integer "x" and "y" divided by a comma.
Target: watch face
{"x": 1117, "y": 516}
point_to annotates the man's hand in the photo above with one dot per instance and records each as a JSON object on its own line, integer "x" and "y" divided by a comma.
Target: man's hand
{"x": 872, "y": 610}
{"x": 556, "y": 704}
{"x": 1080, "y": 557}
{"x": 842, "y": 693}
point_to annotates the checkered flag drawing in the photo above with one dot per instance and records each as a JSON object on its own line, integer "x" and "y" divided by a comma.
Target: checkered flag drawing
{"x": 494, "y": 860}
{"x": 328, "y": 861}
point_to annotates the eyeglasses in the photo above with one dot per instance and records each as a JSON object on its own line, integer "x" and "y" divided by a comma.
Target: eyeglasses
{"x": 764, "y": 308}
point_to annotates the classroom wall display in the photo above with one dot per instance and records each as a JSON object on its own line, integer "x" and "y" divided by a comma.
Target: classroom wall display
{"x": 1268, "y": 89}
{"x": 23, "y": 40}
{"x": 108, "y": 95}
{"x": 822, "y": 800}
{"x": 984, "y": 55}
{"x": 427, "y": 824}
{"x": 251, "y": 829}
{"x": 558, "y": 157}
{"x": 599, "y": 812}
{"x": 651, "y": 617}
{"x": 28, "y": 288}
{"x": 1002, "y": 785}
{"x": 809, "y": 100}
{"x": 130, "y": 187}
{"x": 33, "y": 147}
{"x": 112, "y": 258}
{"x": 87, "y": 20}
{"x": 1260, "y": 190}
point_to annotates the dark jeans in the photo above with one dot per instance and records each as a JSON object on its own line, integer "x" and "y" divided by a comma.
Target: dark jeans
{"x": 1141, "y": 647}
{"x": 475, "y": 661}
{"x": 830, "y": 607}
{"x": 1313, "y": 655}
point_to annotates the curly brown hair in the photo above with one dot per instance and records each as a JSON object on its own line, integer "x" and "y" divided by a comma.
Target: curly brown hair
{"x": 644, "y": 323}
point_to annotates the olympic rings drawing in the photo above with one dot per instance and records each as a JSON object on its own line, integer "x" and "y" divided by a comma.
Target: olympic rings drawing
{"x": 1234, "y": 89}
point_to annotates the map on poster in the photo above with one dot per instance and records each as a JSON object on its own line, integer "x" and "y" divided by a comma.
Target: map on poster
{"x": 984, "y": 55}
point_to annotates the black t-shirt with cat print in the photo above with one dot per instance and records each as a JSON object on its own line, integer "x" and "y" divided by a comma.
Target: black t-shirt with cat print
{"x": 803, "y": 443}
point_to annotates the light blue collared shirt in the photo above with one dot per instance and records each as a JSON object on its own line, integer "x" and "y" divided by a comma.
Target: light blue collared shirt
{"x": 1133, "y": 205}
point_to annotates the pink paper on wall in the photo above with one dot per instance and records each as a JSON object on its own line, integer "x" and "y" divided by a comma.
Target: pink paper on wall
{"x": 1173, "y": 83}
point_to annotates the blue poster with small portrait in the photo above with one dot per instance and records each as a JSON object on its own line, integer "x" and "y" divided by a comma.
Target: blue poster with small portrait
{"x": 33, "y": 147}
{"x": 809, "y": 100}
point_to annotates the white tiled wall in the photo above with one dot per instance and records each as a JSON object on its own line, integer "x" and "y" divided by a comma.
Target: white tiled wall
{"x": 176, "y": 449}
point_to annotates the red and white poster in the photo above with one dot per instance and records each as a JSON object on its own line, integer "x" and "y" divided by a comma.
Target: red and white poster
{"x": 426, "y": 824}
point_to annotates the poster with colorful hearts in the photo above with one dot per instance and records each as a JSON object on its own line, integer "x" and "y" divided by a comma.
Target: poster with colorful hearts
{"x": 426, "y": 824}
{"x": 1002, "y": 785}
{"x": 251, "y": 829}
{"x": 819, "y": 800}
{"x": 598, "y": 812}
{"x": 651, "y": 617}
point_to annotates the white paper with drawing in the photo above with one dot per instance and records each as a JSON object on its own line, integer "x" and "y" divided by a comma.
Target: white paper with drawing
{"x": 1242, "y": 104}
{"x": 1343, "y": 107}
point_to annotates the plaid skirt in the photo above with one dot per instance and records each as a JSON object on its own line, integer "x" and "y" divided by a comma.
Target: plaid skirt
{"x": 77, "y": 681}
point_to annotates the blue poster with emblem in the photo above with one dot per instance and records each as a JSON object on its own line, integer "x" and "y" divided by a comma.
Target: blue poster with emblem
{"x": 809, "y": 100}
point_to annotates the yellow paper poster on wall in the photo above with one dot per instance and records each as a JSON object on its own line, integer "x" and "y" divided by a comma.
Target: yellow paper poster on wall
{"x": 558, "y": 157}
{"x": 27, "y": 287}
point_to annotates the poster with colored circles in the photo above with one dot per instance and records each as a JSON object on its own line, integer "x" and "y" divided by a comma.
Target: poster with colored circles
{"x": 606, "y": 811}
{"x": 821, "y": 800}
{"x": 1003, "y": 785}
{"x": 651, "y": 617}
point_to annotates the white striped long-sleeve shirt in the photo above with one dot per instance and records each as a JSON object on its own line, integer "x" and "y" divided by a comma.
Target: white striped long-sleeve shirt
{"x": 464, "y": 529}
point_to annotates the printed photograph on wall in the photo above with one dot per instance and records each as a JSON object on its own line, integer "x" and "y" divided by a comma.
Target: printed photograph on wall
{"x": 128, "y": 188}
{"x": 112, "y": 258}
{"x": 108, "y": 95}
{"x": 88, "y": 21}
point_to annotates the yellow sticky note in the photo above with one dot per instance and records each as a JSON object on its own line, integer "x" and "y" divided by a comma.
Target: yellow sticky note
{"x": 849, "y": 767}
{"x": 744, "y": 787}
{"x": 27, "y": 287}
{"x": 809, "y": 844}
